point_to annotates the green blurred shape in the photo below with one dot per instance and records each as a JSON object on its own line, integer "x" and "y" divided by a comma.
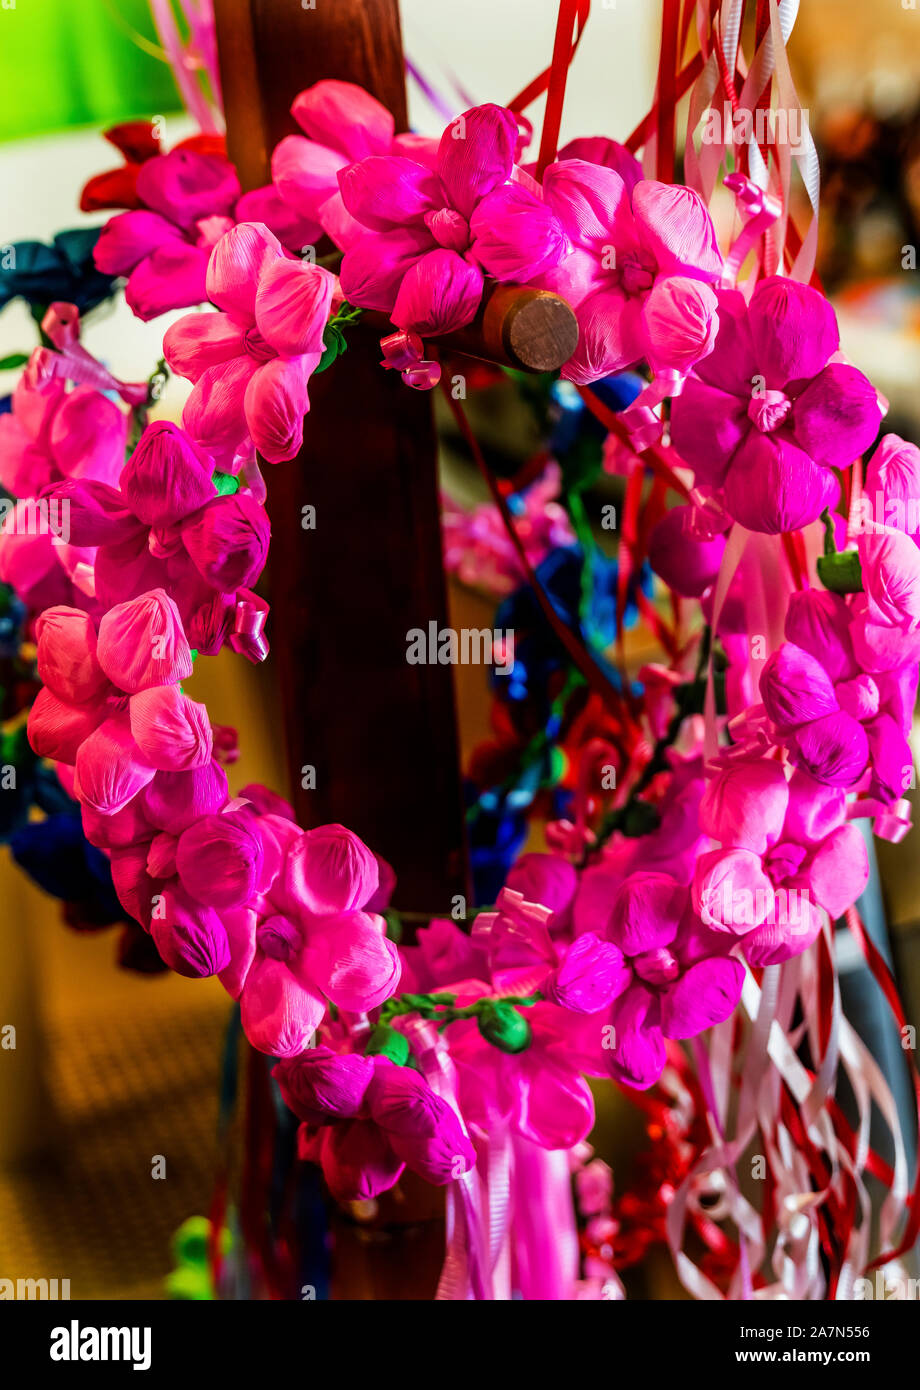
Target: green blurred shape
{"x": 65, "y": 63}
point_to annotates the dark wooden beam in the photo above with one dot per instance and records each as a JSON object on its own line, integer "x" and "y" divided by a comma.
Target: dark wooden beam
{"x": 380, "y": 733}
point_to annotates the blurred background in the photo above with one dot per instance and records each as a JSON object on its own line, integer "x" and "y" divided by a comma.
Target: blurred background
{"x": 113, "y": 1069}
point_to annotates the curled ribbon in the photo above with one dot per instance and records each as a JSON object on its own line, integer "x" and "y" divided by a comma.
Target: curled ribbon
{"x": 71, "y": 361}
{"x": 403, "y": 352}
{"x": 248, "y": 636}
{"x": 759, "y": 210}
{"x": 644, "y": 425}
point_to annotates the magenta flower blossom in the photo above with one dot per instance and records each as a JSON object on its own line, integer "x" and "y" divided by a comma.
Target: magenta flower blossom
{"x": 163, "y": 246}
{"x": 835, "y": 718}
{"x": 304, "y": 936}
{"x": 52, "y": 433}
{"x": 769, "y": 413}
{"x": 167, "y": 527}
{"x": 366, "y": 1120}
{"x": 787, "y": 853}
{"x": 417, "y": 260}
{"x": 677, "y": 979}
{"x": 251, "y": 362}
{"x": 342, "y": 123}
{"x": 639, "y": 271}
{"x": 538, "y": 1092}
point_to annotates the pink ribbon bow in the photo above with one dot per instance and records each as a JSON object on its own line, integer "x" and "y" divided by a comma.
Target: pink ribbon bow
{"x": 403, "y": 352}
{"x": 61, "y": 325}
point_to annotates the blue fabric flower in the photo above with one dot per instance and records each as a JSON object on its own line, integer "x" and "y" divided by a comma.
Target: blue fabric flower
{"x": 65, "y": 270}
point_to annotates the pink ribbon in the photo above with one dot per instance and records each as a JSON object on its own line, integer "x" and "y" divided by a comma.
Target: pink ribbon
{"x": 248, "y": 636}
{"x": 759, "y": 210}
{"x": 72, "y": 362}
{"x": 644, "y": 425}
{"x": 891, "y": 822}
{"x": 403, "y": 352}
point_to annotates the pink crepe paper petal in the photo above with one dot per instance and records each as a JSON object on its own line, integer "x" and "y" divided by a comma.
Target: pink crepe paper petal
{"x": 592, "y": 203}
{"x": 611, "y": 336}
{"x": 236, "y": 267}
{"x": 110, "y": 768}
{"x": 673, "y": 224}
{"x": 731, "y": 892}
{"x": 88, "y": 436}
{"x": 476, "y": 154}
{"x": 329, "y": 870}
{"x": 141, "y": 643}
{"x": 228, "y": 541}
{"x": 351, "y": 960}
{"x": 292, "y": 306}
{"x": 214, "y": 414}
{"x": 275, "y": 403}
{"x": 837, "y": 416}
{"x": 833, "y": 749}
{"x": 772, "y": 486}
{"x": 171, "y": 277}
{"x": 66, "y": 656}
{"x": 240, "y": 926}
{"x": 127, "y": 239}
{"x": 198, "y": 341}
{"x": 166, "y": 478}
{"x": 293, "y": 230}
{"x": 793, "y": 329}
{"x": 638, "y": 1054}
{"x": 184, "y": 185}
{"x": 322, "y": 1085}
{"x": 645, "y": 912}
{"x": 57, "y": 729}
{"x": 373, "y": 269}
{"x": 680, "y": 318}
{"x": 705, "y": 994}
{"x": 172, "y": 731}
{"x": 358, "y": 1162}
{"x": 190, "y": 938}
{"x": 795, "y": 687}
{"x": 345, "y": 117}
{"x": 306, "y": 174}
{"x": 279, "y": 1015}
{"x": 516, "y": 235}
{"x": 175, "y": 800}
{"x": 818, "y": 621}
{"x": 389, "y": 191}
{"x": 707, "y": 427}
{"x": 590, "y": 976}
{"x": 439, "y": 294}
{"x": 219, "y": 859}
{"x": 838, "y": 870}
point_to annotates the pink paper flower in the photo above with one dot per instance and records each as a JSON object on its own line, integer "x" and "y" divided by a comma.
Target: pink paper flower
{"x": 167, "y": 527}
{"x": 767, "y": 415}
{"x": 787, "y": 853}
{"x": 677, "y": 979}
{"x": 307, "y": 938}
{"x": 163, "y": 246}
{"x": 836, "y": 718}
{"x": 251, "y": 362}
{"x": 537, "y": 1092}
{"x": 639, "y": 273}
{"x": 52, "y": 433}
{"x": 416, "y": 260}
{"x": 342, "y": 123}
{"x": 366, "y": 1120}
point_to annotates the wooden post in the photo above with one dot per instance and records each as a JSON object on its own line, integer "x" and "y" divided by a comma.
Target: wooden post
{"x": 379, "y": 732}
